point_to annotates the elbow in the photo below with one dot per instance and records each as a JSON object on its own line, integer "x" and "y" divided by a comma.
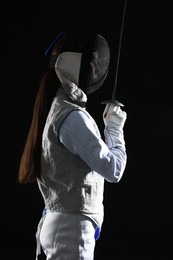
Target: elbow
{"x": 115, "y": 178}
{"x": 117, "y": 175}
{"x": 118, "y": 168}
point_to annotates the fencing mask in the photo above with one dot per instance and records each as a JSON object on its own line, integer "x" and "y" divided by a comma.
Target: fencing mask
{"x": 81, "y": 60}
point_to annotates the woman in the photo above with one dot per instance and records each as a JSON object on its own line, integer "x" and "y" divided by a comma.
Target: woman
{"x": 64, "y": 152}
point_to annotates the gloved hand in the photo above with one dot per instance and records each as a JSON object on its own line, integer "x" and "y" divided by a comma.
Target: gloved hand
{"x": 114, "y": 116}
{"x": 114, "y": 119}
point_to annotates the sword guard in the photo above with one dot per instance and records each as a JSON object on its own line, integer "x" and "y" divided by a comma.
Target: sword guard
{"x": 114, "y": 102}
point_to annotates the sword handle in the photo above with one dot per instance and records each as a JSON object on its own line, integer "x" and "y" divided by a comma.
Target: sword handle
{"x": 114, "y": 102}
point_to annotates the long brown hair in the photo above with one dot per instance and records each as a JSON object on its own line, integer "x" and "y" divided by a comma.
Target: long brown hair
{"x": 30, "y": 163}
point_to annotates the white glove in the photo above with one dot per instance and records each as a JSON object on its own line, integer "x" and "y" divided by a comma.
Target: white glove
{"x": 114, "y": 119}
{"x": 114, "y": 116}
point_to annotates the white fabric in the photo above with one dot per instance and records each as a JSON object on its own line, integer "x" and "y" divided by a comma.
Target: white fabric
{"x": 67, "y": 68}
{"x": 67, "y": 236}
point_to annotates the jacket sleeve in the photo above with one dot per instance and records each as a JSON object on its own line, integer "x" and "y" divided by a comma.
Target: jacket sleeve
{"x": 80, "y": 135}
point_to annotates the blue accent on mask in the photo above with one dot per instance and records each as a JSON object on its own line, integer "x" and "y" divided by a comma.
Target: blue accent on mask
{"x": 53, "y": 43}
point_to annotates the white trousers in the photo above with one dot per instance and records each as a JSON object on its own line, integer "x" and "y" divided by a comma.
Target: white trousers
{"x": 67, "y": 236}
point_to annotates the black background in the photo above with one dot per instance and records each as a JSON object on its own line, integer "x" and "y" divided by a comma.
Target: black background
{"x": 138, "y": 211}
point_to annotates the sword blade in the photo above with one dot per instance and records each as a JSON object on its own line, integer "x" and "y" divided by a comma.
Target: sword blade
{"x": 113, "y": 100}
